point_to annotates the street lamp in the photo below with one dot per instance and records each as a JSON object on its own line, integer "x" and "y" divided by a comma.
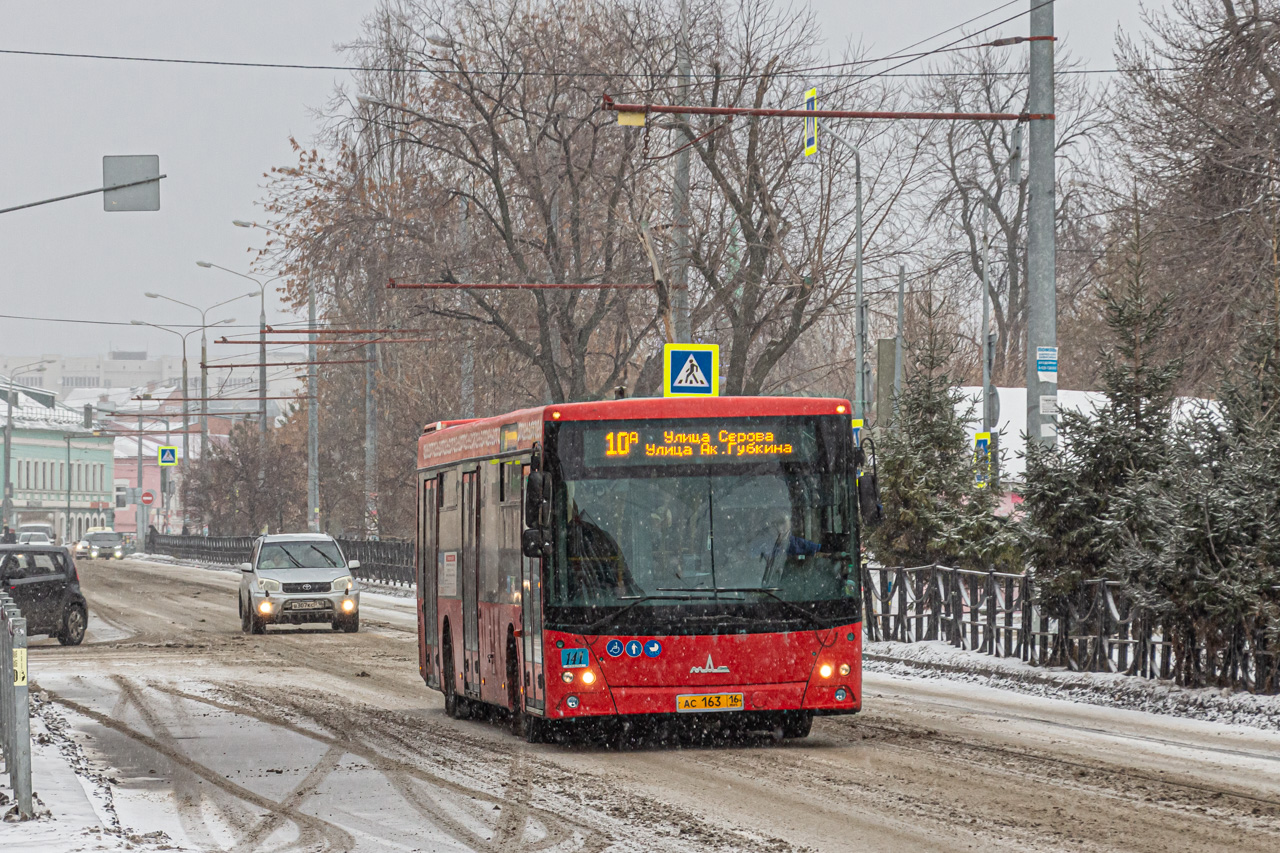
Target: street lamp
{"x": 204, "y": 358}
{"x": 10, "y": 399}
{"x": 313, "y": 400}
{"x": 262, "y": 344}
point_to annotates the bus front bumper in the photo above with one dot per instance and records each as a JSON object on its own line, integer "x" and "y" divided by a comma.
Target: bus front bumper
{"x": 837, "y": 697}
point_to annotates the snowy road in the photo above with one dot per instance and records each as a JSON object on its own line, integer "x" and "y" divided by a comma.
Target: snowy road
{"x": 313, "y": 740}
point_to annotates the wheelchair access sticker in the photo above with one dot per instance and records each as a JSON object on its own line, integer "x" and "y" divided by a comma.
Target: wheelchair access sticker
{"x": 573, "y": 658}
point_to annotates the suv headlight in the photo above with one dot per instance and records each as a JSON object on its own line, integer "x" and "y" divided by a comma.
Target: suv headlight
{"x": 343, "y": 584}
{"x": 268, "y": 585}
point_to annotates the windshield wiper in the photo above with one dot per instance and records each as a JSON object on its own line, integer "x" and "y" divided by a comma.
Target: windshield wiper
{"x": 772, "y": 592}
{"x": 636, "y": 600}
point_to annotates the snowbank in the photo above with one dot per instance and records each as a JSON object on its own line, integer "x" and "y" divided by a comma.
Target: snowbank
{"x": 1112, "y": 690}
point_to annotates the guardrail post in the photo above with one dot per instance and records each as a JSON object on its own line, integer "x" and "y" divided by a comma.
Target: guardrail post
{"x": 17, "y": 746}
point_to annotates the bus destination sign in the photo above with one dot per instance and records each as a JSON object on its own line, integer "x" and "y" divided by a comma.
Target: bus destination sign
{"x": 619, "y": 444}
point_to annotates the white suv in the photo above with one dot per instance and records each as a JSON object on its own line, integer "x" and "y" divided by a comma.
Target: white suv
{"x": 298, "y": 578}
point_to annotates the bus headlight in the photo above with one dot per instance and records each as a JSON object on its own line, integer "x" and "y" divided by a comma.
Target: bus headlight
{"x": 566, "y": 677}
{"x": 588, "y": 677}
{"x": 825, "y": 670}
{"x": 572, "y": 702}
{"x": 841, "y": 694}
{"x": 844, "y": 669}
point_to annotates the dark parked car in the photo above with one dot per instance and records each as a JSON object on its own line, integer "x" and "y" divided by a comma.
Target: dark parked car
{"x": 42, "y": 580}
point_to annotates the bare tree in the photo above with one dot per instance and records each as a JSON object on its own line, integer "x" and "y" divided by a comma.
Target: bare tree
{"x": 978, "y": 182}
{"x": 1198, "y": 121}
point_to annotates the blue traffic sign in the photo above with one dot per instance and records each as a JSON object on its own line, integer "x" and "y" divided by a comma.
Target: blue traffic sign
{"x": 613, "y": 648}
{"x": 691, "y": 370}
{"x": 168, "y": 456}
{"x": 652, "y": 648}
{"x": 634, "y": 647}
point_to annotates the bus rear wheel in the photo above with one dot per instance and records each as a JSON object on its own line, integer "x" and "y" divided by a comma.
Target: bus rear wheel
{"x": 515, "y": 696}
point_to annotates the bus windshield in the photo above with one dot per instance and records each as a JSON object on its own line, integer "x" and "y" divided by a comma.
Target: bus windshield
{"x": 722, "y": 521}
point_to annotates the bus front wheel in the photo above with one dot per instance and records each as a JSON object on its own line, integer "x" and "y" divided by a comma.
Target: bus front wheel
{"x": 795, "y": 724}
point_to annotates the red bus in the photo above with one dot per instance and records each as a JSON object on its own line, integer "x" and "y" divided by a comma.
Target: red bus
{"x": 643, "y": 557}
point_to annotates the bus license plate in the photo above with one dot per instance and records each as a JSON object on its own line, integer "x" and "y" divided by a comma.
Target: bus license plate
{"x": 307, "y": 605}
{"x": 689, "y": 703}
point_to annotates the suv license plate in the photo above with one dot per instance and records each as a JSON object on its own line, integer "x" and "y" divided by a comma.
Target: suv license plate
{"x": 689, "y": 703}
{"x": 307, "y": 605}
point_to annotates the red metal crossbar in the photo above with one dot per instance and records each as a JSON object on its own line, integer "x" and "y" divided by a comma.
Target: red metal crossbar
{"x": 444, "y": 285}
{"x": 611, "y": 105}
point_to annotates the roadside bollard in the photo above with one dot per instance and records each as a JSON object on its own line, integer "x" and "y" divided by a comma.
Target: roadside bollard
{"x": 15, "y": 712}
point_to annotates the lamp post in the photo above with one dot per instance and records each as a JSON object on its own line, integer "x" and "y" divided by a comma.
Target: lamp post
{"x": 204, "y": 358}
{"x": 262, "y": 344}
{"x": 10, "y": 399}
{"x": 313, "y": 400}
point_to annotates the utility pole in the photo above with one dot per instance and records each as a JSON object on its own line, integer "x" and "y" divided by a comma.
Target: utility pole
{"x": 313, "y": 415}
{"x": 262, "y": 381}
{"x": 142, "y": 508}
{"x": 680, "y": 194}
{"x": 204, "y": 392}
{"x": 467, "y": 389}
{"x": 860, "y": 367}
{"x": 899, "y": 341}
{"x": 371, "y": 429}
{"x": 1042, "y": 309}
{"x": 984, "y": 340}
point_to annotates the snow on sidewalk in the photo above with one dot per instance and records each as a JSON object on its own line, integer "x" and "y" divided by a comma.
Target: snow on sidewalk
{"x": 75, "y": 806}
{"x": 1113, "y": 690}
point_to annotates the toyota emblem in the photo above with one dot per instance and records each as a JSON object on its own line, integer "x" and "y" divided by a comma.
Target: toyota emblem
{"x": 306, "y": 587}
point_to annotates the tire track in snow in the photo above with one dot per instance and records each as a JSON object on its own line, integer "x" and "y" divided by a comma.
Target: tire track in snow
{"x": 334, "y": 837}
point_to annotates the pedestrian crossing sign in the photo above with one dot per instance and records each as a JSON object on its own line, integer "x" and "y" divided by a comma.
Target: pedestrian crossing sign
{"x": 691, "y": 370}
{"x": 168, "y": 456}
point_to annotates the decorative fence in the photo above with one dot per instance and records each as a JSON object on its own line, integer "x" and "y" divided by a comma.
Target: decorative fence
{"x": 385, "y": 561}
{"x": 388, "y": 561}
{"x": 995, "y": 613}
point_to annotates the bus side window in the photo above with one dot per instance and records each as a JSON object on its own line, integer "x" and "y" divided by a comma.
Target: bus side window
{"x": 448, "y": 489}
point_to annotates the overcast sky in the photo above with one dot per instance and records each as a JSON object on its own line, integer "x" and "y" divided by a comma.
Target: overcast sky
{"x": 217, "y": 130}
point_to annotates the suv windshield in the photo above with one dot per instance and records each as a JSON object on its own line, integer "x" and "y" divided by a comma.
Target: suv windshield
{"x": 320, "y": 554}
{"x": 702, "y": 521}
{"x": 105, "y": 538}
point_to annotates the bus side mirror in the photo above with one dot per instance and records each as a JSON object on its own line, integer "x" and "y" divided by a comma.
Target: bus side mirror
{"x": 536, "y": 500}
{"x": 534, "y": 544}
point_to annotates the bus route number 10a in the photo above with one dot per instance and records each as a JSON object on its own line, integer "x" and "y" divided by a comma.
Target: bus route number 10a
{"x": 620, "y": 443}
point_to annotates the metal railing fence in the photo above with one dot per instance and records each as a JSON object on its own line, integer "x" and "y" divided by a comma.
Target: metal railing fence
{"x": 997, "y": 613}
{"x": 385, "y": 561}
{"x": 15, "y": 709}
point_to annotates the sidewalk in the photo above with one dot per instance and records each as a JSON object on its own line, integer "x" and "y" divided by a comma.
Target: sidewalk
{"x": 75, "y": 810}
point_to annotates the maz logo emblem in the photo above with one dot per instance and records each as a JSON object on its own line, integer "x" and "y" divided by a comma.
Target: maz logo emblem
{"x": 709, "y": 668}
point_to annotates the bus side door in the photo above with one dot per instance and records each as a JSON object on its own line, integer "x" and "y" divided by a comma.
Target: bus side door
{"x": 428, "y": 614}
{"x": 535, "y": 688}
{"x": 470, "y": 569}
